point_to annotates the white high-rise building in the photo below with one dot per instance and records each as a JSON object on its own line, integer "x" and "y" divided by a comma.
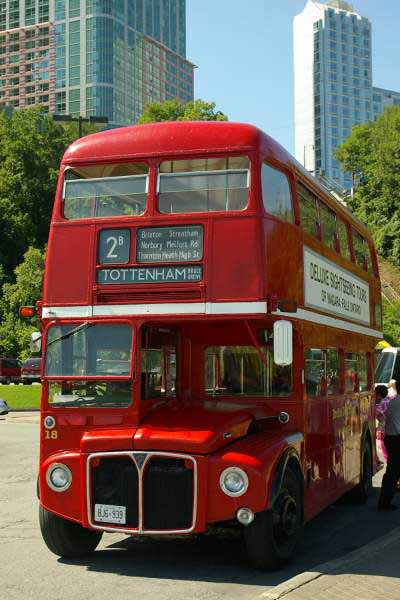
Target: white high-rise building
{"x": 333, "y": 83}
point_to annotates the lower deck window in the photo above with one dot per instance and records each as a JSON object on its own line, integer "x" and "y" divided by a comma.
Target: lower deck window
{"x": 240, "y": 371}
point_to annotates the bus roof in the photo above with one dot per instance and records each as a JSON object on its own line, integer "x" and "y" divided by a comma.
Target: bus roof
{"x": 190, "y": 137}
{"x": 157, "y": 139}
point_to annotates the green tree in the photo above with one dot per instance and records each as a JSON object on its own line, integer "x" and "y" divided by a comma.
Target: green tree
{"x": 14, "y": 332}
{"x": 372, "y": 153}
{"x": 174, "y": 110}
{"x": 31, "y": 148}
{"x": 391, "y": 322}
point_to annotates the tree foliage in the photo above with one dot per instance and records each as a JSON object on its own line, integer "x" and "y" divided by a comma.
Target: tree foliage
{"x": 174, "y": 110}
{"x": 372, "y": 152}
{"x": 31, "y": 148}
{"x": 391, "y": 322}
{"x": 27, "y": 289}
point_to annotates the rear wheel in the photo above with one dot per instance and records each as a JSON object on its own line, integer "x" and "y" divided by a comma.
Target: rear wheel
{"x": 274, "y": 534}
{"x": 7, "y": 381}
{"x": 65, "y": 538}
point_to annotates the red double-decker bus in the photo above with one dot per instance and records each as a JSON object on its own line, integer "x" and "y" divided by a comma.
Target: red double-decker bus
{"x": 209, "y": 319}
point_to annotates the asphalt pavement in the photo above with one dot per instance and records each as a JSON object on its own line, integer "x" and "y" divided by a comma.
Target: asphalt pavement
{"x": 206, "y": 567}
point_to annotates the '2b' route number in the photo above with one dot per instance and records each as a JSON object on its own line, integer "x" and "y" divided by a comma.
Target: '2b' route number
{"x": 114, "y": 246}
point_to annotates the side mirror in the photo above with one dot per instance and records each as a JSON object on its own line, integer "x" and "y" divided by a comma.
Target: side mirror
{"x": 35, "y": 344}
{"x": 283, "y": 343}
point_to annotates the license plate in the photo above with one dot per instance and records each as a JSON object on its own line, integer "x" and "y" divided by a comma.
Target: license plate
{"x": 108, "y": 513}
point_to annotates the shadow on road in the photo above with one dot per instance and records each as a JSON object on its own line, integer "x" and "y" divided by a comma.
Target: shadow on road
{"x": 220, "y": 558}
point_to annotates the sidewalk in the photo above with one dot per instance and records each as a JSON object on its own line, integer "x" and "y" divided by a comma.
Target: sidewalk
{"x": 370, "y": 573}
{"x": 23, "y": 417}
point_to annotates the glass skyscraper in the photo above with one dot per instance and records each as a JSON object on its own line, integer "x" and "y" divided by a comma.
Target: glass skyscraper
{"x": 333, "y": 83}
{"x": 94, "y": 57}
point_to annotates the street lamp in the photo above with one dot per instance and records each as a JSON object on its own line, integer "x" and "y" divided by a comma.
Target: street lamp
{"x": 80, "y": 120}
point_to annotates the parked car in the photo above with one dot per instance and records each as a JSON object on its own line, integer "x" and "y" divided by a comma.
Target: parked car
{"x": 3, "y": 407}
{"x": 388, "y": 367}
{"x": 30, "y": 371}
{"x": 10, "y": 370}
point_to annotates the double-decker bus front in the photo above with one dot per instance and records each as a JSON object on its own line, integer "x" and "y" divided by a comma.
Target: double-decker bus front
{"x": 171, "y": 400}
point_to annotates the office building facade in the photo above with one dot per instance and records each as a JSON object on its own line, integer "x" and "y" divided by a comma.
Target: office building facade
{"x": 94, "y": 57}
{"x": 382, "y": 99}
{"x": 333, "y": 83}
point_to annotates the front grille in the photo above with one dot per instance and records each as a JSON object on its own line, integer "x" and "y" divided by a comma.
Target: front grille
{"x": 168, "y": 494}
{"x": 116, "y": 482}
{"x": 165, "y": 483}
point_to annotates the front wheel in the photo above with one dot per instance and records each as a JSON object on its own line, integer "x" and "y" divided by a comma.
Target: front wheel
{"x": 65, "y": 538}
{"x": 274, "y": 534}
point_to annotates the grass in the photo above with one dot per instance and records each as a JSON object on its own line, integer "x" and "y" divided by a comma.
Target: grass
{"x": 21, "y": 396}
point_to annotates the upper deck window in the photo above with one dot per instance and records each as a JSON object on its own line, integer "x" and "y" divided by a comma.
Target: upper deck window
{"x": 204, "y": 185}
{"x": 362, "y": 252}
{"x": 343, "y": 239}
{"x": 276, "y": 193}
{"x": 308, "y": 210}
{"x": 105, "y": 191}
{"x": 328, "y": 224}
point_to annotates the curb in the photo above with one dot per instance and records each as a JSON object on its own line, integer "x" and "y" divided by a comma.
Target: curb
{"x": 337, "y": 564}
{"x": 23, "y": 410}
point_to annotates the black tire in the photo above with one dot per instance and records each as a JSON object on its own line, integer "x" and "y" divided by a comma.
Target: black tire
{"x": 272, "y": 538}
{"x": 7, "y": 381}
{"x": 65, "y": 538}
{"x": 362, "y": 491}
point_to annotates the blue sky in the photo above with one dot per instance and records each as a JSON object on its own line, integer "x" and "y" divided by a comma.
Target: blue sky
{"x": 243, "y": 51}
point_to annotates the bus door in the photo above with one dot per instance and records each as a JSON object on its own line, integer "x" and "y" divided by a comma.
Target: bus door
{"x": 315, "y": 424}
{"x": 356, "y": 389}
{"x": 335, "y": 419}
{"x": 158, "y": 362}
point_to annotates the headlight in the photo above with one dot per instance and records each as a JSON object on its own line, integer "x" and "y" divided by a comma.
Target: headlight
{"x": 58, "y": 477}
{"x": 234, "y": 481}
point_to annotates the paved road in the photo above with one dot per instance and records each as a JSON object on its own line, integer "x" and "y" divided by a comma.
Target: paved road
{"x": 205, "y": 568}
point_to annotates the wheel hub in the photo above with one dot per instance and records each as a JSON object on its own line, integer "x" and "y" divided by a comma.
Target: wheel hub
{"x": 286, "y": 515}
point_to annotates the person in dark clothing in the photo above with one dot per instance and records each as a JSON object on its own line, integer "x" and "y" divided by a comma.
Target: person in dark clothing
{"x": 392, "y": 444}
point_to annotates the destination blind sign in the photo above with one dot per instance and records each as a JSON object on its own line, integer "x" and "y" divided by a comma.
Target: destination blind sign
{"x": 145, "y": 275}
{"x": 169, "y": 244}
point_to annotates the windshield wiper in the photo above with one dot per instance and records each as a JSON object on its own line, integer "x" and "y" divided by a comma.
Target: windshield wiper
{"x": 78, "y": 401}
{"x": 82, "y": 327}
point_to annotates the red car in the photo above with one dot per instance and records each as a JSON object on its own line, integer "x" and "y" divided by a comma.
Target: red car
{"x": 10, "y": 370}
{"x": 30, "y": 371}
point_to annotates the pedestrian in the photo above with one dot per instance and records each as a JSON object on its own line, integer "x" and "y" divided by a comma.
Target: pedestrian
{"x": 392, "y": 444}
{"x": 382, "y": 399}
{"x": 392, "y": 391}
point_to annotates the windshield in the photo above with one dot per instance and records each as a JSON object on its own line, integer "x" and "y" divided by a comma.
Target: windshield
{"x": 385, "y": 367}
{"x": 204, "y": 185}
{"x": 32, "y": 362}
{"x": 98, "y": 394}
{"x": 88, "y": 350}
{"x": 105, "y": 191}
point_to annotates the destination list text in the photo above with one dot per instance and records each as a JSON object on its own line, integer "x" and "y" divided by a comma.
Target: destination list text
{"x": 170, "y": 244}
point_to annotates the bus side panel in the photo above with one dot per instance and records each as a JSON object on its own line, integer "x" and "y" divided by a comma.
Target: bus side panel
{"x": 234, "y": 262}
{"x": 284, "y": 259}
{"x": 69, "y": 266}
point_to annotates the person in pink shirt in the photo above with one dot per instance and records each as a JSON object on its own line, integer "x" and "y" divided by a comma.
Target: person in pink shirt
{"x": 382, "y": 403}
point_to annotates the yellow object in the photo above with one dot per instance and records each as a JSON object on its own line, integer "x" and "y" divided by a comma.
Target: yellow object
{"x": 381, "y": 345}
